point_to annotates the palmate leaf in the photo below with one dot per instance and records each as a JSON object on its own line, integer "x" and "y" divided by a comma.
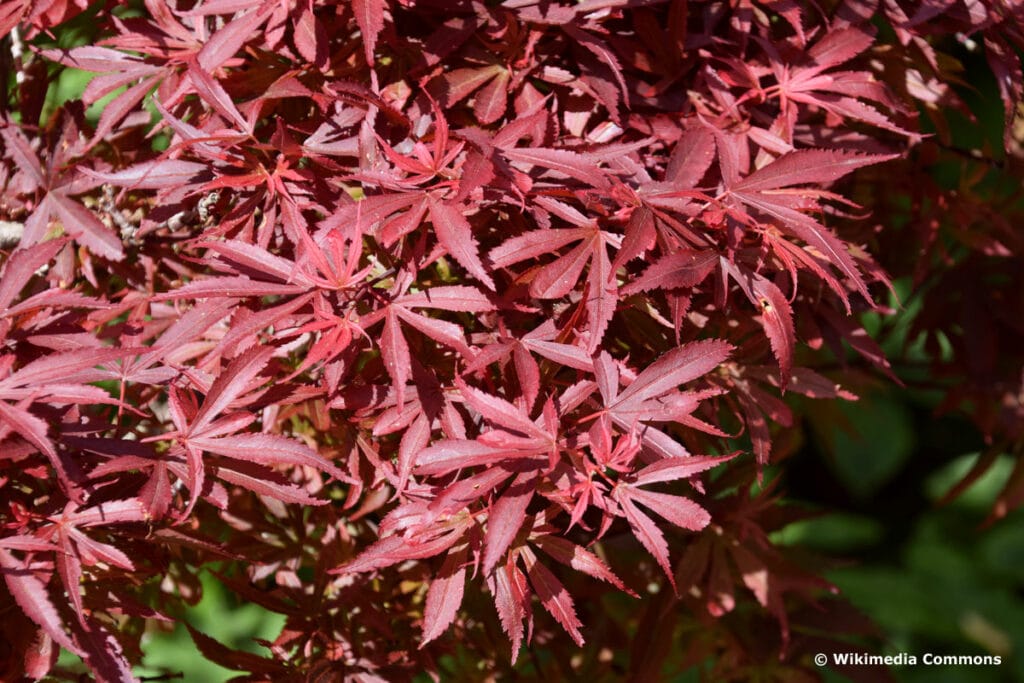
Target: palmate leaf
{"x": 511, "y": 600}
{"x": 803, "y": 167}
{"x": 572, "y": 555}
{"x": 506, "y": 517}
{"x": 843, "y": 93}
{"x": 151, "y": 175}
{"x": 681, "y": 269}
{"x": 268, "y": 449}
{"x": 678, "y": 510}
{"x": 21, "y": 266}
{"x": 83, "y": 225}
{"x": 77, "y": 548}
{"x": 676, "y": 367}
{"x": 370, "y": 16}
{"x": 445, "y": 595}
{"x": 558, "y": 278}
{"x": 394, "y": 549}
{"x": 768, "y": 190}
{"x": 652, "y": 396}
{"x": 227, "y": 41}
{"x": 32, "y": 597}
{"x": 456, "y": 235}
{"x": 649, "y": 535}
{"x": 238, "y": 377}
{"x": 776, "y": 314}
{"x": 552, "y": 595}
{"x": 565, "y": 163}
{"x": 264, "y": 482}
{"x": 393, "y": 345}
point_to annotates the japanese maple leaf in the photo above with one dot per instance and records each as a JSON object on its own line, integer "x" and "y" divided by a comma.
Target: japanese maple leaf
{"x": 76, "y": 548}
{"x": 65, "y": 536}
{"x": 490, "y": 82}
{"x": 514, "y": 436}
{"x": 29, "y": 590}
{"x": 394, "y": 347}
{"x": 611, "y": 95}
{"x": 58, "y": 182}
{"x": 147, "y": 366}
{"x": 444, "y": 203}
{"x": 512, "y": 594}
{"x": 59, "y": 378}
{"x": 540, "y": 341}
{"x": 770, "y": 191}
{"x": 198, "y": 429}
{"x": 556, "y": 279}
{"x": 331, "y": 266}
{"x": 405, "y": 537}
{"x": 776, "y": 314}
{"x": 444, "y": 597}
{"x": 664, "y": 207}
{"x": 19, "y": 269}
{"x": 684, "y": 268}
{"x": 370, "y": 16}
{"x": 330, "y": 270}
{"x": 515, "y": 582}
{"x": 842, "y": 93}
{"x": 516, "y": 442}
{"x": 678, "y": 510}
{"x": 654, "y": 396}
{"x": 512, "y": 598}
{"x": 171, "y": 42}
{"x": 749, "y": 386}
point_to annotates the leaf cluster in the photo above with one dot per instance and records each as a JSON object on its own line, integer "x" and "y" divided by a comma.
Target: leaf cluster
{"x": 389, "y": 309}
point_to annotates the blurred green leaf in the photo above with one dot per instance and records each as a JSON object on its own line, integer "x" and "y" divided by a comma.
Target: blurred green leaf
{"x": 222, "y": 617}
{"x": 833, "y": 533}
{"x": 981, "y": 494}
{"x": 872, "y": 446}
{"x": 1002, "y": 549}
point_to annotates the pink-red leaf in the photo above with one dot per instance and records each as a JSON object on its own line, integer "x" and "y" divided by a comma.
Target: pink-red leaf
{"x": 505, "y": 519}
{"x": 678, "y": 468}
{"x": 684, "y": 268}
{"x": 563, "y": 161}
{"x": 151, "y": 175}
{"x": 676, "y": 367}
{"x": 682, "y": 512}
{"x": 777, "y": 319}
{"x": 370, "y": 18}
{"x": 552, "y": 595}
{"x": 456, "y": 235}
{"x": 268, "y": 449}
{"x": 648, "y": 533}
{"x": 225, "y": 43}
{"x": 572, "y": 555}
{"x": 229, "y": 385}
{"x": 31, "y": 595}
{"x": 806, "y": 166}
{"x": 83, "y": 225}
{"x": 444, "y": 596}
